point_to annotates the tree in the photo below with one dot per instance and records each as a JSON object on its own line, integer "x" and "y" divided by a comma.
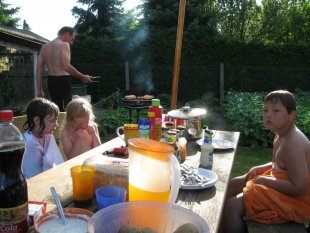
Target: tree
{"x": 6, "y": 15}
{"x": 26, "y": 26}
{"x": 100, "y": 18}
{"x": 238, "y": 19}
{"x": 285, "y": 21}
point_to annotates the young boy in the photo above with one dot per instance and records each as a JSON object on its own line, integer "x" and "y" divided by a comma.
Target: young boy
{"x": 278, "y": 191}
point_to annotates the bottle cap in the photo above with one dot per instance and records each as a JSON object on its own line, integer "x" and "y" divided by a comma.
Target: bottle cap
{"x": 155, "y": 102}
{"x": 6, "y": 115}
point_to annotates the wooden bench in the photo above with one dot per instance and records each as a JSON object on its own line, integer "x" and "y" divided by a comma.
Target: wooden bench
{"x": 290, "y": 227}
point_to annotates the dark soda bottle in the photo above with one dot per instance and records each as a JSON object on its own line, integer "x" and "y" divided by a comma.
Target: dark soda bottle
{"x": 13, "y": 185}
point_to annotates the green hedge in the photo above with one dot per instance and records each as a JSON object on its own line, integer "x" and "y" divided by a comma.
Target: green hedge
{"x": 243, "y": 112}
{"x": 247, "y": 67}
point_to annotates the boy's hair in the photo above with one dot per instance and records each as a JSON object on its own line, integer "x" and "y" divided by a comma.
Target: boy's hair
{"x": 286, "y": 98}
{"x": 78, "y": 107}
{"x": 41, "y": 108}
{"x": 65, "y": 29}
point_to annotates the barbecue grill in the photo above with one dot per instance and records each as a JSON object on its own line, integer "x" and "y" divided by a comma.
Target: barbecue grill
{"x": 137, "y": 104}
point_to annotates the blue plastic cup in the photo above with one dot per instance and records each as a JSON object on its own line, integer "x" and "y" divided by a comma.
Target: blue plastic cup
{"x": 109, "y": 195}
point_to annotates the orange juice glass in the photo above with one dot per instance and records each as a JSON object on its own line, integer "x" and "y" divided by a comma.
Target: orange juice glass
{"x": 83, "y": 182}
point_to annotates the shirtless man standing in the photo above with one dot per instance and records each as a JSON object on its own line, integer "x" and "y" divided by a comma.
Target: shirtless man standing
{"x": 278, "y": 191}
{"x": 56, "y": 56}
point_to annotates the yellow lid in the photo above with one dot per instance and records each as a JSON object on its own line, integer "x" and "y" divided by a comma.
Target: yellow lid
{"x": 151, "y": 148}
{"x": 131, "y": 126}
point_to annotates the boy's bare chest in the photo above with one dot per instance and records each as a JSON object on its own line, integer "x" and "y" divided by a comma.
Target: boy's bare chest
{"x": 279, "y": 158}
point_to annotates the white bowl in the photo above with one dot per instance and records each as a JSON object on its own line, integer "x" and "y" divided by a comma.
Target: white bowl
{"x": 161, "y": 217}
{"x": 51, "y": 220}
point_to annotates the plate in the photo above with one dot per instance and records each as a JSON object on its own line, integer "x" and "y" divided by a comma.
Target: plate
{"x": 219, "y": 144}
{"x": 212, "y": 176}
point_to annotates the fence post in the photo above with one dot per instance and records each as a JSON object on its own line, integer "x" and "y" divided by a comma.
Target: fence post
{"x": 221, "y": 82}
{"x": 127, "y": 75}
{"x": 34, "y": 67}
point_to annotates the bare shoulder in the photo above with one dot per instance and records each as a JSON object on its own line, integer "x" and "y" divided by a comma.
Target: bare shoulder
{"x": 302, "y": 139}
{"x": 297, "y": 142}
{"x": 44, "y": 48}
{"x": 63, "y": 45}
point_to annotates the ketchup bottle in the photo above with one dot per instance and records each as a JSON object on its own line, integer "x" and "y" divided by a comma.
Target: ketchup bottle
{"x": 158, "y": 111}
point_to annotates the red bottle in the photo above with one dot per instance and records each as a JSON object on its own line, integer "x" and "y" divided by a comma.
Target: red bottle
{"x": 158, "y": 110}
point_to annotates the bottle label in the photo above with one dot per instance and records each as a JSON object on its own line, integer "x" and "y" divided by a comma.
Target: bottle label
{"x": 158, "y": 128}
{"x": 171, "y": 139}
{"x": 210, "y": 157}
{"x": 14, "y": 220}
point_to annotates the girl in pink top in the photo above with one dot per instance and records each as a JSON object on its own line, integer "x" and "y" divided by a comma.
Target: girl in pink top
{"x": 41, "y": 152}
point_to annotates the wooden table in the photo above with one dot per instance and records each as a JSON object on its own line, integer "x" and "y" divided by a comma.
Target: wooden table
{"x": 208, "y": 203}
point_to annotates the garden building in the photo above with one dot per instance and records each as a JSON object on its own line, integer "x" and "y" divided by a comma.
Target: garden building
{"x": 18, "y": 58}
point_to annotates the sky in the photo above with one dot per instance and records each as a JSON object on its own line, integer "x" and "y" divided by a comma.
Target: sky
{"x": 46, "y": 17}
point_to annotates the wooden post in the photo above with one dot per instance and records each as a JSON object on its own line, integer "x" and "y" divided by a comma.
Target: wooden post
{"x": 177, "y": 57}
{"x": 222, "y": 82}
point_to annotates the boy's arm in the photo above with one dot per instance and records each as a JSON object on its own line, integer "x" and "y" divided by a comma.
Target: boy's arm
{"x": 257, "y": 170}
{"x": 295, "y": 162}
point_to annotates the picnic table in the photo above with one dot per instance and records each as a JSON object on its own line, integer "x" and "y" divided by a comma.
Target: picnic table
{"x": 206, "y": 202}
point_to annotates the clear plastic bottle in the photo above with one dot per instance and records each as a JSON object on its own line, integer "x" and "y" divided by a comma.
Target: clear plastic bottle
{"x": 13, "y": 185}
{"x": 206, "y": 156}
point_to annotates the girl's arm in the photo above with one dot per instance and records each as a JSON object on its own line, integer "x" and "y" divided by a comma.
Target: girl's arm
{"x": 93, "y": 130}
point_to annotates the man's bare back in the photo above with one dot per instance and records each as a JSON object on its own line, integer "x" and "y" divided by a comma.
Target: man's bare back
{"x": 54, "y": 55}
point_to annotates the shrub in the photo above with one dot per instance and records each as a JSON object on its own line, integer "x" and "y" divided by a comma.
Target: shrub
{"x": 243, "y": 112}
{"x": 110, "y": 119}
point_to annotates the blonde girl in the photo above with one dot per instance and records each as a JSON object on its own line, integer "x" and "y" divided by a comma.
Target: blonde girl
{"x": 80, "y": 132}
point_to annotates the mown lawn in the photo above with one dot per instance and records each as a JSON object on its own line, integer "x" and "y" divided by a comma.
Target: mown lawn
{"x": 248, "y": 157}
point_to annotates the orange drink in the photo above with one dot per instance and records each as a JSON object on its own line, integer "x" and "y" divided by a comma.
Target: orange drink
{"x": 153, "y": 171}
{"x": 83, "y": 182}
{"x": 137, "y": 194}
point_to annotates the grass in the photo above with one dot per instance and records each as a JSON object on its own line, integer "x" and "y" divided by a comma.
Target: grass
{"x": 248, "y": 157}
